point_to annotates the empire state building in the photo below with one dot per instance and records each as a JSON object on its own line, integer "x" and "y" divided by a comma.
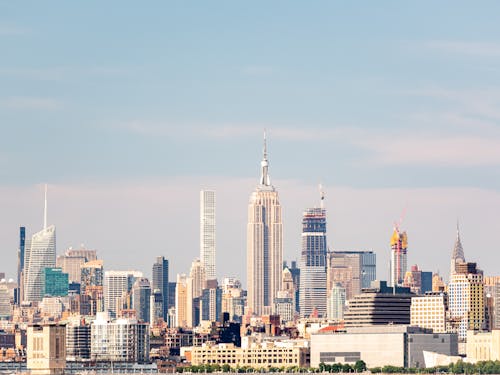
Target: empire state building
{"x": 264, "y": 244}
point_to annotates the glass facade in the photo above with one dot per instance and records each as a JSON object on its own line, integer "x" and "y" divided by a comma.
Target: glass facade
{"x": 56, "y": 282}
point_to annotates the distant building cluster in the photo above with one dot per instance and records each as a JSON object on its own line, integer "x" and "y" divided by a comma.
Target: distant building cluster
{"x": 69, "y": 311}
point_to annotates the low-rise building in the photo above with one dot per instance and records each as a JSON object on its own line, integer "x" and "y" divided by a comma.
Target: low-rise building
{"x": 395, "y": 345}
{"x": 266, "y": 354}
{"x": 46, "y": 349}
{"x": 483, "y": 346}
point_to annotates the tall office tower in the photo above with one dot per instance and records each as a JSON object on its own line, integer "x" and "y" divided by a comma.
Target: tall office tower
{"x": 295, "y": 272}
{"x": 355, "y": 270}
{"x": 156, "y": 307}
{"x": 41, "y": 255}
{"x": 466, "y": 298}
{"x": 211, "y": 303}
{"x": 20, "y": 266}
{"x": 399, "y": 255}
{"x": 264, "y": 244}
{"x": 312, "y": 292}
{"x": 55, "y": 282}
{"x": 91, "y": 285}
{"x": 197, "y": 275}
{"x": 117, "y": 284}
{"x": 71, "y": 265}
{"x": 233, "y": 298}
{"x": 207, "y": 232}
{"x": 160, "y": 282}
{"x": 183, "y": 302}
{"x": 92, "y": 274}
{"x": 141, "y": 293}
{"x": 457, "y": 255}
{"x": 5, "y": 305}
{"x": 336, "y": 302}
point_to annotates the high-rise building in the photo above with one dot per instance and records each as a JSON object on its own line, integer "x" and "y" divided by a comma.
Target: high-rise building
{"x": 399, "y": 256}
{"x": 354, "y": 270}
{"x": 233, "y": 298}
{"x": 430, "y": 311}
{"x": 457, "y": 255}
{"x": 211, "y": 303}
{"x": 5, "y": 305}
{"x": 207, "y": 232}
{"x": 466, "y": 298}
{"x": 117, "y": 284}
{"x": 55, "y": 282}
{"x": 336, "y": 302}
{"x": 160, "y": 282}
{"x": 92, "y": 274}
{"x": 120, "y": 340}
{"x": 183, "y": 302}
{"x": 295, "y": 274}
{"x": 77, "y": 340}
{"x": 141, "y": 293}
{"x": 155, "y": 307}
{"x": 40, "y": 255}
{"x": 198, "y": 278}
{"x": 312, "y": 291}
{"x": 264, "y": 244}
{"x": 20, "y": 266}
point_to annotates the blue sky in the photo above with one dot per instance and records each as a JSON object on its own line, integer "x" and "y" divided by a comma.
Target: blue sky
{"x": 118, "y": 106}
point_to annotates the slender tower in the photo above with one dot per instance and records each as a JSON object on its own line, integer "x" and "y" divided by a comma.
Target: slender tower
{"x": 399, "y": 251}
{"x": 264, "y": 244}
{"x": 207, "y": 233}
{"x": 313, "y": 280}
{"x": 458, "y": 255}
{"x": 41, "y": 255}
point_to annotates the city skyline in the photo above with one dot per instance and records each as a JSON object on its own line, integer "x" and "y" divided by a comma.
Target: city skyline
{"x": 126, "y": 119}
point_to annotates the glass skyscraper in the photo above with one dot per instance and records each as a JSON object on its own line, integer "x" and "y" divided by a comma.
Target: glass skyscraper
{"x": 160, "y": 282}
{"x": 312, "y": 290}
{"x": 56, "y": 282}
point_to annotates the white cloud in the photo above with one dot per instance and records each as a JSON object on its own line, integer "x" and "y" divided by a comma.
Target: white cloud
{"x": 30, "y": 103}
{"x": 479, "y": 49}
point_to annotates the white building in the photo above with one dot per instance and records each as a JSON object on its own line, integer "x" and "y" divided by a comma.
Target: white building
{"x": 116, "y": 285}
{"x": 120, "y": 340}
{"x": 40, "y": 253}
{"x": 336, "y": 302}
{"x": 207, "y": 232}
{"x": 264, "y": 244}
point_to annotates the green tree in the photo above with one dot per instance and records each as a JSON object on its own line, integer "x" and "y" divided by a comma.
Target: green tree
{"x": 360, "y": 366}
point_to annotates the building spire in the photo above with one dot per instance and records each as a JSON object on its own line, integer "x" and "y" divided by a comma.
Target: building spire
{"x": 45, "y": 210}
{"x": 264, "y": 164}
{"x": 321, "y": 196}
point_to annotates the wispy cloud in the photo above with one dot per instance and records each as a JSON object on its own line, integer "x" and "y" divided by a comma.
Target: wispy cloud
{"x": 30, "y": 103}
{"x": 479, "y": 49}
{"x": 9, "y": 30}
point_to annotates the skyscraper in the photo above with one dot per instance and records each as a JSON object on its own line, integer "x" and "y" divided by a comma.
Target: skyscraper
{"x": 458, "y": 254}
{"x": 264, "y": 244}
{"x": 160, "y": 282}
{"x": 20, "y": 265}
{"x": 141, "y": 293}
{"x": 398, "y": 265}
{"x": 40, "y": 255}
{"x": 197, "y": 275}
{"x": 207, "y": 232}
{"x": 117, "y": 284}
{"x": 312, "y": 291}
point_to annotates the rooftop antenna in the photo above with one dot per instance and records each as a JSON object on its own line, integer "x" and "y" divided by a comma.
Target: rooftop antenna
{"x": 45, "y": 210}
{"x": 321, "y": 196}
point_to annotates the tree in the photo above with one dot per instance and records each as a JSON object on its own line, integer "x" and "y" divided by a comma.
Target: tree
{"x": 360, "y": 366}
